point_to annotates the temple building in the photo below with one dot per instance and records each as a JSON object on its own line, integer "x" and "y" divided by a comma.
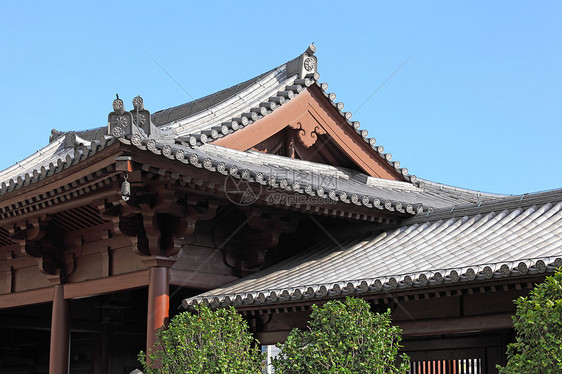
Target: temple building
{"x": 265, "y": 196}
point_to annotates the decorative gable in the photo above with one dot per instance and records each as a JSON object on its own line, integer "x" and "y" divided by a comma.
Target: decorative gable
{"x": 310, "y": 127}
{"x": 285, "y": 112}
{"x": 317, "y": 147}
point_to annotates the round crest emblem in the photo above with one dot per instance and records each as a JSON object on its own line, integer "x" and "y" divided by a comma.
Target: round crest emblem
{"x": 309, "y": 64}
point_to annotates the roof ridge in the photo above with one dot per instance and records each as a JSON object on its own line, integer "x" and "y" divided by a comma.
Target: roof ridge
{"x": 160, "y": 113}
{"x": 302, "y": 66}
{"x": 291, "y": 66}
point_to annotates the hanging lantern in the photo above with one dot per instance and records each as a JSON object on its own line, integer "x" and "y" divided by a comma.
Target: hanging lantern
{"x": 126, "y": 189}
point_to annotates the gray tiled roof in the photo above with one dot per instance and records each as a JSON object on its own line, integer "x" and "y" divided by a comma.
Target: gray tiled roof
{"x": 216, "y": 120}
{"x": 512, "y": 240}
{"x": 256, "y": 90}
{"x": 314, "y": 179}
{"x": 227, "y": 111}
{"x": 182, "y": 134}
{"x": 285, "y": 174}
{"x": 66, "y": 150}
{"x": 221, "y": 107}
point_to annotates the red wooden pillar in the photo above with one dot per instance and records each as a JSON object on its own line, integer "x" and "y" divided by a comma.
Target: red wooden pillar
{"x": 60, "y": 333}
{"x": 158, "y": 303}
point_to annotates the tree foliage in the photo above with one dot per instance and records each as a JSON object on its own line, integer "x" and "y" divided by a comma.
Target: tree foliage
{"x": 343, "y": 337}
{"x": 538, "y": 326}
{"x": 204, "y": 342}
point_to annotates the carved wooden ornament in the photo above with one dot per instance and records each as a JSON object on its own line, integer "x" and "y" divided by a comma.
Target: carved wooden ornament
{"x": 308, "y": 129}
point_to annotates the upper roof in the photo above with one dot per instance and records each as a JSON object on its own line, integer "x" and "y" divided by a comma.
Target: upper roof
{"x": 212, "y": 110}
{"x": 183, "y": 133}
{"x": 506, "y": 237}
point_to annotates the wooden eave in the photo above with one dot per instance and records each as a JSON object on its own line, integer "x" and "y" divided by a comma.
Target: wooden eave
{"x": 430, "y": 292}
{"x": 78, "y": 185}
{"x": 212, "y": 184}
{"x": 312, "y": 112}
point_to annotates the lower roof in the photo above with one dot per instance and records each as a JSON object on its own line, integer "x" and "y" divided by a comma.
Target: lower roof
{"x": 512, "y": 239}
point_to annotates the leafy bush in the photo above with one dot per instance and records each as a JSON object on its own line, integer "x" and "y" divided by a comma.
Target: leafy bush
{"x": 538, "y": 325}
{"x": 343, "y": 338}
{"x": 204, "y": 342}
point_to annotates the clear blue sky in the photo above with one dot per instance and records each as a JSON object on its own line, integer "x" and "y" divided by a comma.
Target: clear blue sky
{"x": 478, "y": 105}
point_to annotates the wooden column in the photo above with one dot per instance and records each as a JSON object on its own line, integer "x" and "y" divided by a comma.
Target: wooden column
{"x": 158, "y": 303}
{"x": 60, "y": 333}
{"x": 107, "y": 347}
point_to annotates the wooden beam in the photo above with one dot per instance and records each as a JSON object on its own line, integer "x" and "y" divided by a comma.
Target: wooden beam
{"x": 486, "y": 322}
{"x": 265, "y": 128}
{"x": 39, "y": 296}
{"x": 455, "y": 342}
{"x": 9, "y": 321}
{"x": 106, "y": 285}
{"x": 491, "y": 322}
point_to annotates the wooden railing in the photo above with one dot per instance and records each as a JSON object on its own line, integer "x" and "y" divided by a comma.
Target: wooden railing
{"x": 464, "y": 366}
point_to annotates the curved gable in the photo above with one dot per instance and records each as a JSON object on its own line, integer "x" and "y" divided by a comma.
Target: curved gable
{"x": 304, "y": 127}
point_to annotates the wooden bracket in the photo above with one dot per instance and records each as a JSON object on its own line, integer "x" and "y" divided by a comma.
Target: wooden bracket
{"x": 308, "y": 129}
{"x": 157, "y": 215}
{"x": 36, "y": 240}
{"x": 268, "y": 227}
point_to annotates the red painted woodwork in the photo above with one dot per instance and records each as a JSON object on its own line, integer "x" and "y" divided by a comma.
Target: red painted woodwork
{"x": 158, "y": 303}
{"x": 39, "y": 296}
{"x": 106, "y": 285}
{"x": 313, "y": 115}
{"x": 60, "y": 333}
{"x": 308, "y": 129}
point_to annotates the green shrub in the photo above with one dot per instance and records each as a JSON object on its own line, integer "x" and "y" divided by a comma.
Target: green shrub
{"x": 343, "y": 338}
{"x": 204, "y": 342}
{"x": 538, "y": 327}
